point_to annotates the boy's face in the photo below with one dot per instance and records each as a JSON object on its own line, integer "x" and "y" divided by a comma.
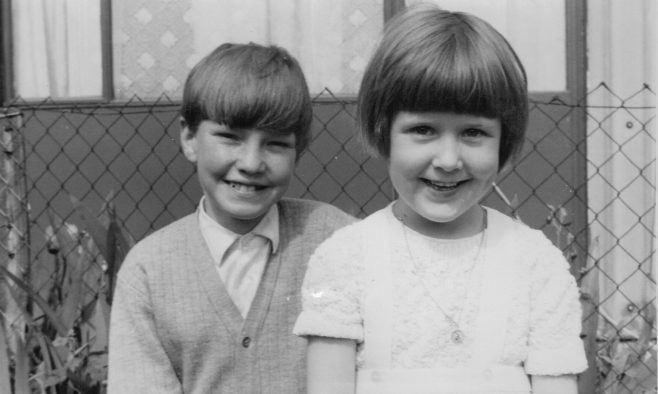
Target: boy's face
{"x": 242, "y": 171}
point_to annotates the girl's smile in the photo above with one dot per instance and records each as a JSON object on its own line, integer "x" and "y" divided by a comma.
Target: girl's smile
{"x": 441, "y": 165}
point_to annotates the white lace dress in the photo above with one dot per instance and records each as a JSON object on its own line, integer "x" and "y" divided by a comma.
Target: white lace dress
{"x": 542, "y": 321}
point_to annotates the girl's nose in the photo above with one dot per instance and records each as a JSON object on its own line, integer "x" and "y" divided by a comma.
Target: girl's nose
{"x": 447, "y": 154}
{"x": 250, "y": 158}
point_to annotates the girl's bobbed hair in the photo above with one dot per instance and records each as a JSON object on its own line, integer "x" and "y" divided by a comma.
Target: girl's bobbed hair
{"x": 432, "y": 60}
{"x": 245, "y": 86}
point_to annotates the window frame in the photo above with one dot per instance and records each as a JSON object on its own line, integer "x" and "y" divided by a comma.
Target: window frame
{"x": 575, "y": 52}
{"x": 7, "y": 90}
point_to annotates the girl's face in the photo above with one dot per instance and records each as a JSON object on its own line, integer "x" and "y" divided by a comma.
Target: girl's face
{"x": 442, "y": 164}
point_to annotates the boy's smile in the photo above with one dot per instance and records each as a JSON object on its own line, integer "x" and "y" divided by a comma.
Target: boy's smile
{"x": 242, "y": 172}
{"x": 441, "y": 165}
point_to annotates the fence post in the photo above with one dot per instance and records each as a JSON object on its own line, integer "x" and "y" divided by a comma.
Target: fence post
{"x": 13, "y": 226}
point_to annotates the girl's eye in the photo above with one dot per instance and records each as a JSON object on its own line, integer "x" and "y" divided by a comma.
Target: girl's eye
{"x": 421, "y": 130}
{"x": 474, "y": 133}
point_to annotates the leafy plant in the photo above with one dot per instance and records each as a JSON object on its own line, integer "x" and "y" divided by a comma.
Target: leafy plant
{"x": 63, "y": 347}
{"x": 623, "y": 366}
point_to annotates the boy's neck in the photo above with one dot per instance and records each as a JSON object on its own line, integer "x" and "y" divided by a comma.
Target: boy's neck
{"x": 238, "y": 226}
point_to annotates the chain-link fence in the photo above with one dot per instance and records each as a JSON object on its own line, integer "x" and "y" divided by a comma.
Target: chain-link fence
{"x": 80, "y": 182}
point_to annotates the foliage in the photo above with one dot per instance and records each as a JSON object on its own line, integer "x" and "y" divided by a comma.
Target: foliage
{"x": 628, "y": 366}
{"x": 623, "y": 366}
{"x": 63, "y": 347}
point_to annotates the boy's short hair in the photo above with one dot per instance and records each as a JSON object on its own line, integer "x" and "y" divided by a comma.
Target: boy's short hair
{"x": 249, "y": 86}
{"x": 435, "y": 60}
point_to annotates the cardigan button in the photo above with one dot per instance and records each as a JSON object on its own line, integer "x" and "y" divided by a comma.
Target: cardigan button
{"x": 246, "y": 341}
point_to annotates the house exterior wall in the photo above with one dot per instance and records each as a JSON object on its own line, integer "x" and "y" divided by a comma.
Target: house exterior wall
{"x": 621, "y": 153}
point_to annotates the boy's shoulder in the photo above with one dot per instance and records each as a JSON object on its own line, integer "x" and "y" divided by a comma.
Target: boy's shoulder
{"x": 301, "y": 211}
{"x": 173, "y": 229}
{"x": 167, "y": 237}
{"x": 162, "y": 251}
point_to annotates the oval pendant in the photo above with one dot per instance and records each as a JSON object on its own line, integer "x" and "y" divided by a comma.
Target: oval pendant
{"x": 457, "y": 336}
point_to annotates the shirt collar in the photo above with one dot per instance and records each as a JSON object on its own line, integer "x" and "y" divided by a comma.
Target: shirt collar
{"x": 268, "y": 227}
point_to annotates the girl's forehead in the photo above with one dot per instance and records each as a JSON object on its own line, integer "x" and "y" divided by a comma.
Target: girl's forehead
{"x": 445, "y": 119}
{"x": 440, "y": 114}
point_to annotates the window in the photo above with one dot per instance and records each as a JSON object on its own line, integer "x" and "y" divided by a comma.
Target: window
{"x": 56, "y": 49}
{"x": 105, "y": 49}
{"x": 535, "y": 28}
{"x": 65, "y": 49}
{"x": 155, "y": 46}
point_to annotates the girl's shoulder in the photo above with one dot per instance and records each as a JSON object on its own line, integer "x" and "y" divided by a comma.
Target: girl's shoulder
{"x": 347, "y": 242}
{"x": 504, "y": 228}
{"x": 524, "y": 246}
{"x": 369, "y": 226}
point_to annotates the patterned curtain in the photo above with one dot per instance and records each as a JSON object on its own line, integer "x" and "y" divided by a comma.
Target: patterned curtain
{"x": 157, "y": 42}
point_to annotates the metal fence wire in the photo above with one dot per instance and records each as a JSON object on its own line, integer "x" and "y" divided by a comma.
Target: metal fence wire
{"x": 79, "y": 183}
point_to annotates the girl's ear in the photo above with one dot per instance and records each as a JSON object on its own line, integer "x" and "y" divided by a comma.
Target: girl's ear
{"x": 188, "y": 141}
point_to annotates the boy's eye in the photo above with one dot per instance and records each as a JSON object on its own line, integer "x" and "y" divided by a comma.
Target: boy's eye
{"x": 280, "y": 144}
{"x": 286, "y": 141}
{"x": 226, "y": 135}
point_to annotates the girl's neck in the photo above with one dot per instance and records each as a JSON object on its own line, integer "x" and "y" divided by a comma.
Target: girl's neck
{"x": 468, "y": 224}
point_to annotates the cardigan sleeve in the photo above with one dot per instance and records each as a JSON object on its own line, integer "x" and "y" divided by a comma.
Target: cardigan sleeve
{"x": 554, "y": 345}
{"x": 137, "y": 359}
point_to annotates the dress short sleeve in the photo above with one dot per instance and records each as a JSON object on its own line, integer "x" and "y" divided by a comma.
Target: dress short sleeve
{"x": 332, "y": 292}
{"x": 554, "y": 343}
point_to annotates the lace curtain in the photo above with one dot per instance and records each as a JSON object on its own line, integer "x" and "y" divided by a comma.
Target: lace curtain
{"x": 156, "y": 43}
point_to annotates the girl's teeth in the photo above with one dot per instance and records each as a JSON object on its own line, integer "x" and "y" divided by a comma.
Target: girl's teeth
{"x": 442, "y": 185}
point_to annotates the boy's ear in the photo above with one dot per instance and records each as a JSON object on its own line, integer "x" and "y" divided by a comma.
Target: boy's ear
{"x": 188, "y": 141}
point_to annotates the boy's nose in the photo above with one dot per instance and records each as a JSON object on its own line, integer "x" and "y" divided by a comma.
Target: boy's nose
{"x": 250, "y": 158}
{"x": 447, "y": 155}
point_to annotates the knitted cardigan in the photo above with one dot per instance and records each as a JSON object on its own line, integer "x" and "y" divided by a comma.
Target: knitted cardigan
{"x": 174, "y": 328}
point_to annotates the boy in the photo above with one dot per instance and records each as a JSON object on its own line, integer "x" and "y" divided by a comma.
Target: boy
{"x": 207, "y": 304}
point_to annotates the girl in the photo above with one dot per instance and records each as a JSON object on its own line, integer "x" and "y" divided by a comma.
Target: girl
{"x": 436, "y": 293}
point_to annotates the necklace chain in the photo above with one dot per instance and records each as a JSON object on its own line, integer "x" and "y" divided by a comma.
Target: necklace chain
{"x": 457, "y": 335}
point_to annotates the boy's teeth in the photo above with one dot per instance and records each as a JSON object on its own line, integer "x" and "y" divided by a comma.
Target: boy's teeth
{"x": 242, "y": 187}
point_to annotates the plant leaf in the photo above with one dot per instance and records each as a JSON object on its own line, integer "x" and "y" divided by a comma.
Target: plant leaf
{"x": 4, "y": 361}
{"x": 92, "y": 224}
{"x": 49, "y": 375}
{"x": 101, "y": 323}
{"x": 69, "y": 311}
{"x": 118, "y": 246}
{"x": 22, "y": 370}
{"x": 47, "y": 310}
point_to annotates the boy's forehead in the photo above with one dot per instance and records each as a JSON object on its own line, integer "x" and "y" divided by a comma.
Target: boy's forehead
{"x": 217, "y": 126}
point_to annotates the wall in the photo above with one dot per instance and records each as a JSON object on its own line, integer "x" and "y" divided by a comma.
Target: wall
{"x": 621, "y": 73}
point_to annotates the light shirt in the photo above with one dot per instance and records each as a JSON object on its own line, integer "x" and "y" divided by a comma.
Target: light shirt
{"x": 241, "y": 259}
